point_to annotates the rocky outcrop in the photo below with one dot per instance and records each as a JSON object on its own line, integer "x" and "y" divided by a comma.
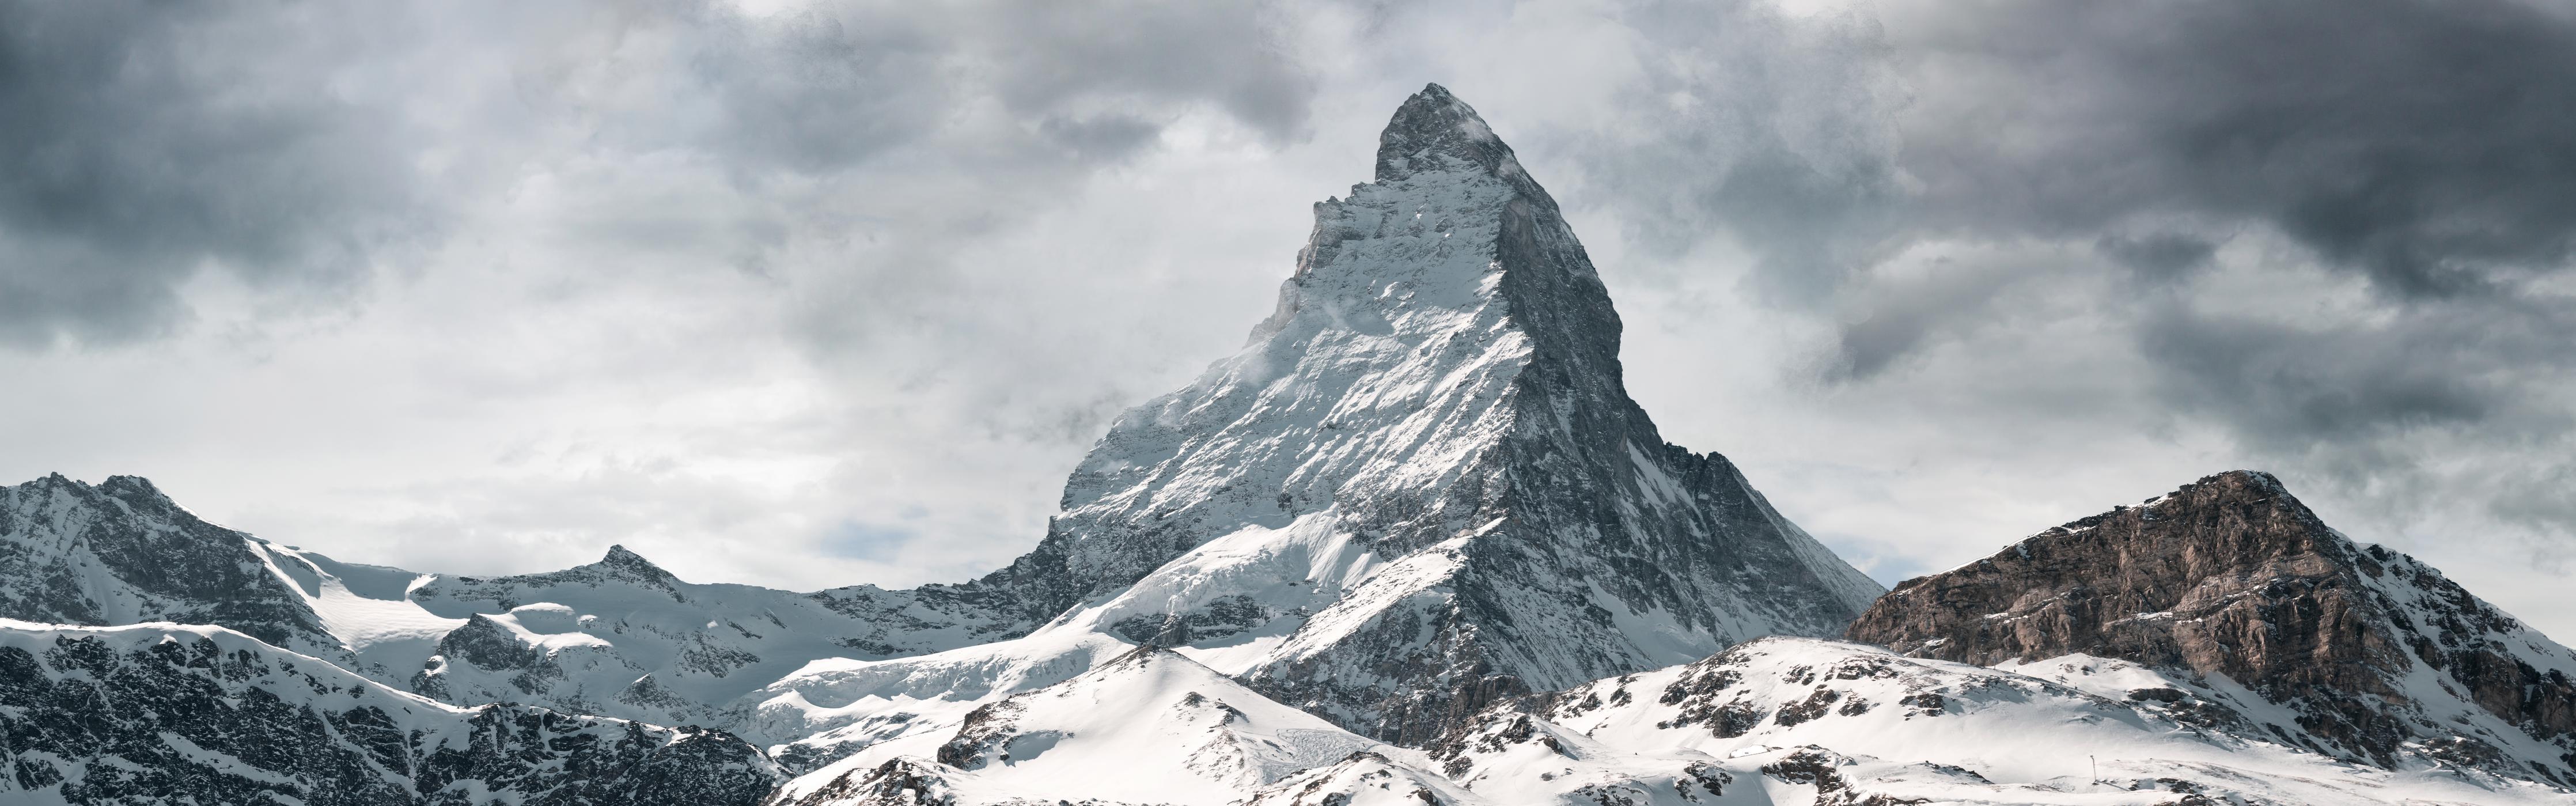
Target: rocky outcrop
{"x": 120, "y": 552}
{"x": 1848, "y": 723}
{"x": 2379, "y": 655}
{"x": 896, "y": 782}
{"x": 1366, "y": 779}
{"x": 168, "y": 715}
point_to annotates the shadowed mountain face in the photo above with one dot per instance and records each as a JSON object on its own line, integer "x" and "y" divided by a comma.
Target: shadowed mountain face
{"x": 2376, "y": 654}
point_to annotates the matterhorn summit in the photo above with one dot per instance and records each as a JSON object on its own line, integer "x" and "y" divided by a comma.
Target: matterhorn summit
{"x": 1423, "y": 483}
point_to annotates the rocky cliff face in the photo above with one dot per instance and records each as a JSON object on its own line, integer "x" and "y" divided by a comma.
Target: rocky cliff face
{"x": 2380, "y": 657}
{"x": 169, "y": 715}
{"x": 121, "y": 552}
{"x": 1438, "y": 396}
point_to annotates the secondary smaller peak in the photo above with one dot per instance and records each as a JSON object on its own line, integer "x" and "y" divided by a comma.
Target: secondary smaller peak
{"x": 1147, "y": 654}
{"x": 2237, "y": 482}
{"x": 628, "y": 563}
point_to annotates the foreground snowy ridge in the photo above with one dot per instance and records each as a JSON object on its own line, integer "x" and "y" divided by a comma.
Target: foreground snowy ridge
{"x": 1413, "y": 545}
{"x": 1791, "y": 720}
{"x": 1149, "y": 726}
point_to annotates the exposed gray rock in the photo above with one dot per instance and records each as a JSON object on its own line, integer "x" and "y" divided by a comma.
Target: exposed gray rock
{"x": 195, "y": 715}
{"x": 120, "y": 552}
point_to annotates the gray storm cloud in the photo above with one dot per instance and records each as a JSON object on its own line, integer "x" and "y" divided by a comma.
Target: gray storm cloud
{"x": 144, "y": 142}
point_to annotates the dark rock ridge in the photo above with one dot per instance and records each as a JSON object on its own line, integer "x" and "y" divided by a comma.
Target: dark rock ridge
{"x": 177, "y": 715}
{"x": 120, "y": 552}
{"x": 2381, "y": 657}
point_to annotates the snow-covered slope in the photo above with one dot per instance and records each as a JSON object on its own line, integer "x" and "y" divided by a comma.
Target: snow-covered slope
{"x": 2371, "y": 655}
{"x": 366, "y": 609}
{"x": 1149, "y": 726}
{"x": 623, "y": 637}
{"x": 1794, "y": 720}
{"x": 168, "y": 714}
{"x": 1365, "y": 779}
{"x": 619, "y": 637}
{"x": 835, "y": 707}
{"x": 1423, "y": 484}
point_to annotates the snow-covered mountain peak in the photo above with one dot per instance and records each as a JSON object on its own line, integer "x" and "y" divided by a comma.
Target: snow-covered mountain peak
{"x": 630, "y": 566}
{"x": 1424, "y": 470}
{"x": 619, "y": 568}
{"x": 1438, "y": 230}
{"x": 1434, "y": 132}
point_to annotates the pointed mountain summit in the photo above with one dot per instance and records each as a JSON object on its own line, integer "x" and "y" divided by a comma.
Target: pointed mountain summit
{"x": 2376, "y": 657}
{"x": 1422, "y": 483}
{"x": 1434, "y": 132}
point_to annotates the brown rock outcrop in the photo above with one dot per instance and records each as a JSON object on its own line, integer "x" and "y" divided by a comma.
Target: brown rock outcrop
{"x": 2231, "y": 576}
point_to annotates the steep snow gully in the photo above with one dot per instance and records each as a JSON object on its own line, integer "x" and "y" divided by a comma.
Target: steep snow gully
{"x": 1413, "y": 544}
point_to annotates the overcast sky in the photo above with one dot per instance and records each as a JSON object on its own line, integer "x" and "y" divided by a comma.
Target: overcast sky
{"x": 812, "y": 294}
